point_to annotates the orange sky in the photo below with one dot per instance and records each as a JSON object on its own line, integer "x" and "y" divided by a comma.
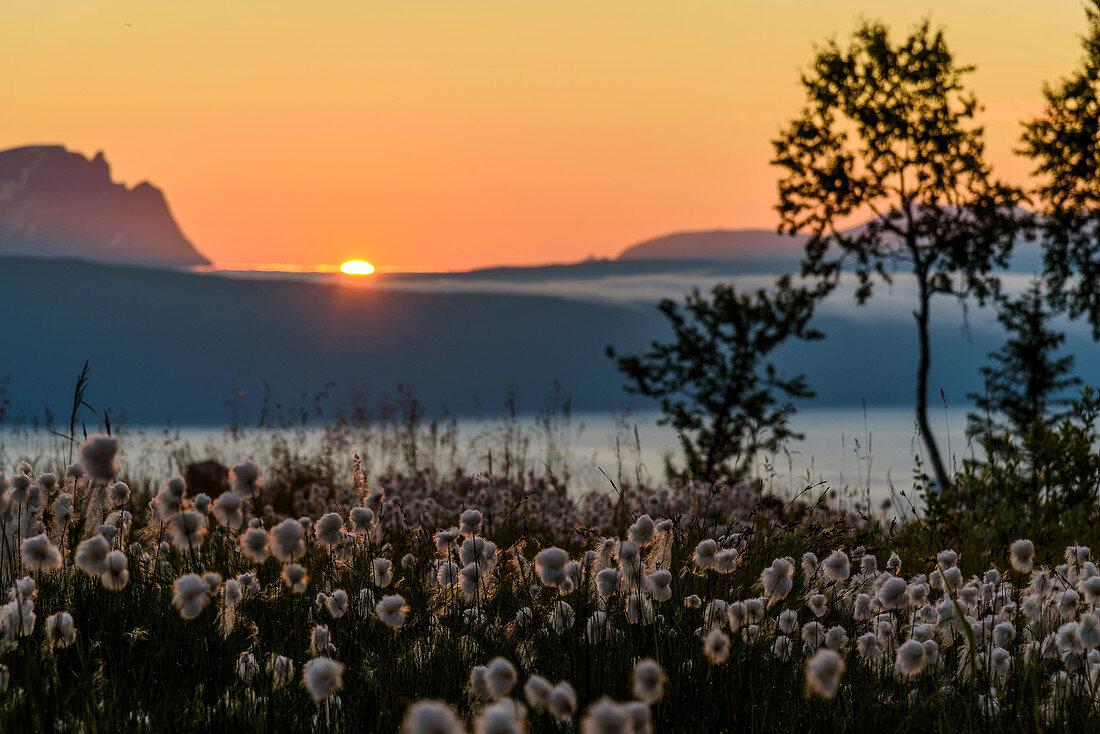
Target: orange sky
{"x": 450, "y": 134}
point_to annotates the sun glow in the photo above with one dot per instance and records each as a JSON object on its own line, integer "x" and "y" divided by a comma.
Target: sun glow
{"x": 357, "y": 267}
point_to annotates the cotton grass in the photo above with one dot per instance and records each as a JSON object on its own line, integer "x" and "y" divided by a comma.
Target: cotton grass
{"x": 648, "y": 681}
{"x": 191, "y": 594}
{"x": 39, "y": 555}
{"x": 392, "y": 611}
{"x": 823, "y": 673}
{"x": 431, "y": 717}
{"x": 322, "y": 677}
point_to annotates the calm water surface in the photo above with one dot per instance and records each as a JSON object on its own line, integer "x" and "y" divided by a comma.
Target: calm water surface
{"x": 864, "y": 451}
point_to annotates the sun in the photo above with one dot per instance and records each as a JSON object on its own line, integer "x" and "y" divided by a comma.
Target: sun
{"x": 357, "y": 267}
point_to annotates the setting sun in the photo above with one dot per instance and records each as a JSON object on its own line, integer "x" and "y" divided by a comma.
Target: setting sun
{"x": 357, "y": 267}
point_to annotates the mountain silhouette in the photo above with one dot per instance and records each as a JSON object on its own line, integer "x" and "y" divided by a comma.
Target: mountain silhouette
{"x": 57, "y": 203}
{"x": 719, "y": 244}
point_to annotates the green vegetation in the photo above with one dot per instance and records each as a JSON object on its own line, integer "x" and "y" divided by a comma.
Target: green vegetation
{"x": 338, "y": 591}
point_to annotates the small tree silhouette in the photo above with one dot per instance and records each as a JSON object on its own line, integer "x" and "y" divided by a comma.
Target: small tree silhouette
{"x": 1024, "y": 382}
{"x": 1064, "y": 143}
{"x": 713, "y": 381}
{"x": 888, "y": 132}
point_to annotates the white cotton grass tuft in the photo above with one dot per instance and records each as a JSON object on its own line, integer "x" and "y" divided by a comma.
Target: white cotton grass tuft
{"x": 253, "y": 544}
{"x": 337, "y": 603}
{"x": 201, "y": 503}
{"x": 649, "y": 680}
{"x": 630, "y": 564}
{"x": 187, "y": 529}
{"x": 469, "y": 578}
{"x": 97, "y": 456}
{"x": 642, "y": 531}
{"x": 607, "y": 582}
{"x": 320, "y": 640}
{"x": 479, "y": 682}
{"x": 116, "y": 573}
{"x": 641, "y": 718}
{"x": 169, "y": 500}
{"x": 562, "y": 617}
{"x": 119, "y": 494}
{"x": 25, "y": 588}
{"x": 836, "y": 638}
{"x": 392, "y": 610}
{"x": 809, "y": 564}
{"x": 776, "y": 579}
{"x": 606, "y": 717}
{"x": 431, "y": 717}
{"x": 247, "y": 667}
{"x": 725, "y": 561}
{"x": 909, "y": 659}
{"x": 550, "y": 566}
{"x": 892, "y": 593}
{"x": 836, "y": 566}
{"x": 823, "y": 672}
{"x": 287, "y": 540}
{"x": 704, "y": 555}
{"x": 1000, "y": 662}
{"x": 737, "y": 615}
{"x": 469, "y": 523}
{"x": 478, "y": 550}
{"x": 62, "y": 507}
{"x": 322, "y": 677}
{"x": 232, "y": 593}
{"x": 227, "y": 510}
{"x": 500, "y": 677}
{"x": 245, "y": 478}
{"x": 281, "y": 670}
{"x": 445, "y": 540}
{"x": 381, "y": 572}
{"x": 191, "y": 593}
{"x": 60, "y": 631}
{"x": 329, "y": 530}
{"x": 537, "y": 692}
{"x": 502, "y": 717}
{"x": 638, "y": 609}
{"x": 813, "y": 634}
{"x": 212, "y": 580}
{"x": 659, "y": 584}
{"x": 360, "y": 518}
{"x": 562, "y": 702}
{"x": 447, "y": 574}
{"x": 787, "y": 621}
{"x": 294, "y": 576}
{"x": 717, "y": 613}
{"x": 716, "y": 646}
{"x": 1022, "y": 555}
{"x": 91, "y": 555}
{"x": 39, "y": 555}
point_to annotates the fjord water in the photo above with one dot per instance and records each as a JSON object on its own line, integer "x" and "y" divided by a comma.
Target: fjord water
{"x": 861, "y": 452}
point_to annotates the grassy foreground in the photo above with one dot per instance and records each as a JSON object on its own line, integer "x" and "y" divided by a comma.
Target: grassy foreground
{"x": 519, "y": 607}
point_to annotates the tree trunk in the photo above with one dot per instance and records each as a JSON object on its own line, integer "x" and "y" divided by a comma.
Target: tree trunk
{"x": 923, "y": 363}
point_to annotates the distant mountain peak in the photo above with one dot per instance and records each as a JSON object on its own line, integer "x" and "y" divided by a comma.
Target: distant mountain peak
{"x": 58, "y": 203}
{"x": 717, "y": 244}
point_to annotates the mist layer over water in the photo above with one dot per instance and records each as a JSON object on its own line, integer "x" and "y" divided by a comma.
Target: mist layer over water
{"x": 860, "y": 452}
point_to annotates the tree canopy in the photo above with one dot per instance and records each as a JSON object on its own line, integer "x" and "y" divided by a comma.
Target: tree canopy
{"x": 713, "y": 380}
{"x": 887, "y": 140}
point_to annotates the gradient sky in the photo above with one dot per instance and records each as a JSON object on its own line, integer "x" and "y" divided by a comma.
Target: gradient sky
{"x": 451, "y": 134}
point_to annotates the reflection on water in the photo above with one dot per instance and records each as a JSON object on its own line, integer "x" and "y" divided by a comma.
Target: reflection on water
{"x": 861, "y": 451}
